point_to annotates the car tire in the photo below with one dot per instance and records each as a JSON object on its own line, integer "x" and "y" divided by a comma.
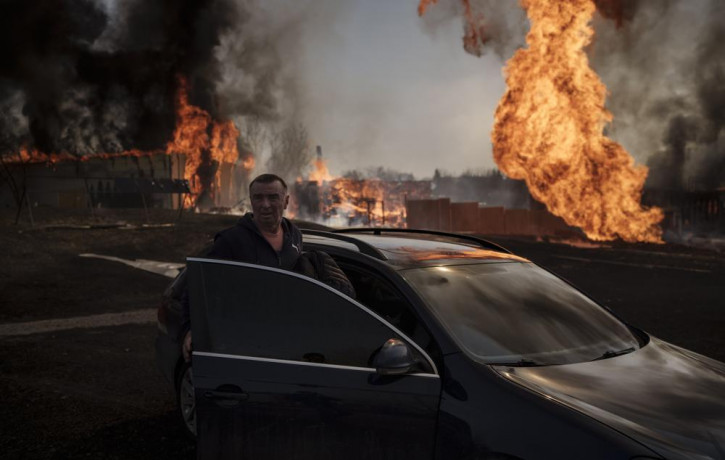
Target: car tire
{"x": 185, "y": 400}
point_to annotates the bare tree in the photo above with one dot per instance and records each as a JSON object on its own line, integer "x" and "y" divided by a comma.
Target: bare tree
{"x": 254, "y": 133}
{"x": 14, "y": 174}
{"x": 291, "y": 154}
{"x": 13, "y": 135}
{"x": 380, "y": 172}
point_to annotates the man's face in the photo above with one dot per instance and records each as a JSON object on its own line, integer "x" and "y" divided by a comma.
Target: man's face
{"x": 268, "y": 204}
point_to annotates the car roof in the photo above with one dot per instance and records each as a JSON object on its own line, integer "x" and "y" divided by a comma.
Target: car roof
{"x": 412, "y": 248}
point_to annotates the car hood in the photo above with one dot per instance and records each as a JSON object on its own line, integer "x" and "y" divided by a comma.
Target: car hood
{"x": 668, "y": 398}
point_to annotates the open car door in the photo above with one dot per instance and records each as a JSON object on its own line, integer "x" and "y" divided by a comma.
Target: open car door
{"x": 282, "y": 370}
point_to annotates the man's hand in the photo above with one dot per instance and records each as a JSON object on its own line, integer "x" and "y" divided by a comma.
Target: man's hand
{"x": 186, "y": 347}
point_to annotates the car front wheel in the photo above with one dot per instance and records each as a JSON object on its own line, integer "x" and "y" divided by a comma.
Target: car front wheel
{"x": 186, "y": 401}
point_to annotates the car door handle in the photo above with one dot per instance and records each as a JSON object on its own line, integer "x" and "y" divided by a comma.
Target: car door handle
{"x": 226, "y": 395}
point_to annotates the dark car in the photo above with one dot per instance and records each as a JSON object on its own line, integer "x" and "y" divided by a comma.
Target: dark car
{"x": 453, "y": 349}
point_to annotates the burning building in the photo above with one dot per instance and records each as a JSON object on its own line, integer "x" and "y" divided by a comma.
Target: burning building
{"x": 200, "y": 167}
{"x": 349, "y": 202}
{"x": 354, "y": 201}
{"x": 112, "y": 99}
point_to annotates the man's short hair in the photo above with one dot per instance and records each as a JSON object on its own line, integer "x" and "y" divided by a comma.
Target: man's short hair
{"x": 267, "y": 179}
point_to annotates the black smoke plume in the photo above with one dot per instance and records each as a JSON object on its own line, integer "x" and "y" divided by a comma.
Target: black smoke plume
{"x": 84, "y": 77}
{"x": 667, "y": 89}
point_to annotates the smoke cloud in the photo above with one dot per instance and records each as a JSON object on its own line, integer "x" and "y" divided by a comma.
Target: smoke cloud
{"x": 503, "y": 24}
{"x": 667, "y": 89}
{"x": 90, "y": 76}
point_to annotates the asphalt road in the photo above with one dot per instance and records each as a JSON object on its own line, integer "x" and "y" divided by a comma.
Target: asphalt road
{"x": 89, "y": 388}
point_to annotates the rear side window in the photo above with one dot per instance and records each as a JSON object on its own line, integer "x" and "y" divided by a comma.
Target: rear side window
{"x": 258, "y": 312}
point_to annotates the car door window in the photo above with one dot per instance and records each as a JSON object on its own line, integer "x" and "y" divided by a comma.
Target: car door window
{"x": 380, "y": 296}
{"x": 268, "y": 313}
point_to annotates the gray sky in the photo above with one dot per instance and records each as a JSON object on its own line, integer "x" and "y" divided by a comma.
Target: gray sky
{"x": 380, "y": 89}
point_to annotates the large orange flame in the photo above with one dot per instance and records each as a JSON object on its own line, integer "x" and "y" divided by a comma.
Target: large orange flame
{"x": 191, "y": 136}
{"x": 224, "y": 142}
{"x": 320, "y": 173}
{"x": 549, "y": 130}
{"x": 192, "y": 139}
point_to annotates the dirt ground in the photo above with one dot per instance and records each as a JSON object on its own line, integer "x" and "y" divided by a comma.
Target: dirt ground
{"x": 89, "y": 392}
{"x": 43, "y": 275}
{"x": 95, "y": 392}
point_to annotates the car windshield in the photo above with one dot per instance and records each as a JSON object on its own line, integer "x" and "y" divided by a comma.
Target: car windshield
{"x": 519, "y": 314}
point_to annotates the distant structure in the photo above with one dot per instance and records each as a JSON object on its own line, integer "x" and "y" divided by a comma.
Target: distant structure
{"x": 489, "y": 189}
{"x": 153, "y": 181}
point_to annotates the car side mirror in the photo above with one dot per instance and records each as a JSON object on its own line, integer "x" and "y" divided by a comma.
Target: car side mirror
{"x": 393, "y": 358}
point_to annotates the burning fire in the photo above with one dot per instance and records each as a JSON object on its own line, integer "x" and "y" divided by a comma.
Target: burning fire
{"x": 248, "y": 163}
{"x": 205, "y": 143}
{"x": 320, "y": 173}
{"x": 191, "y": 138}
{"x": 555, "y": 142}
{"x": 364, "y": 200}
{"x": 347, "y": 202}
{"x": 28, "y": 155}
{"x": 549, "y": 130}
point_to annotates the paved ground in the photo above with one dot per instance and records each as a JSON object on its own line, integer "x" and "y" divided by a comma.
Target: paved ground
{"x": 85, "y": 385}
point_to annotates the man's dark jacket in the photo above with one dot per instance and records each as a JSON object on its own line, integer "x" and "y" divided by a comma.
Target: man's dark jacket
{"x": 245, "y": 243}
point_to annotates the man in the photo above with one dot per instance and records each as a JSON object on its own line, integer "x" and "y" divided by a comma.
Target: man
{"x": 262, "y": 237}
